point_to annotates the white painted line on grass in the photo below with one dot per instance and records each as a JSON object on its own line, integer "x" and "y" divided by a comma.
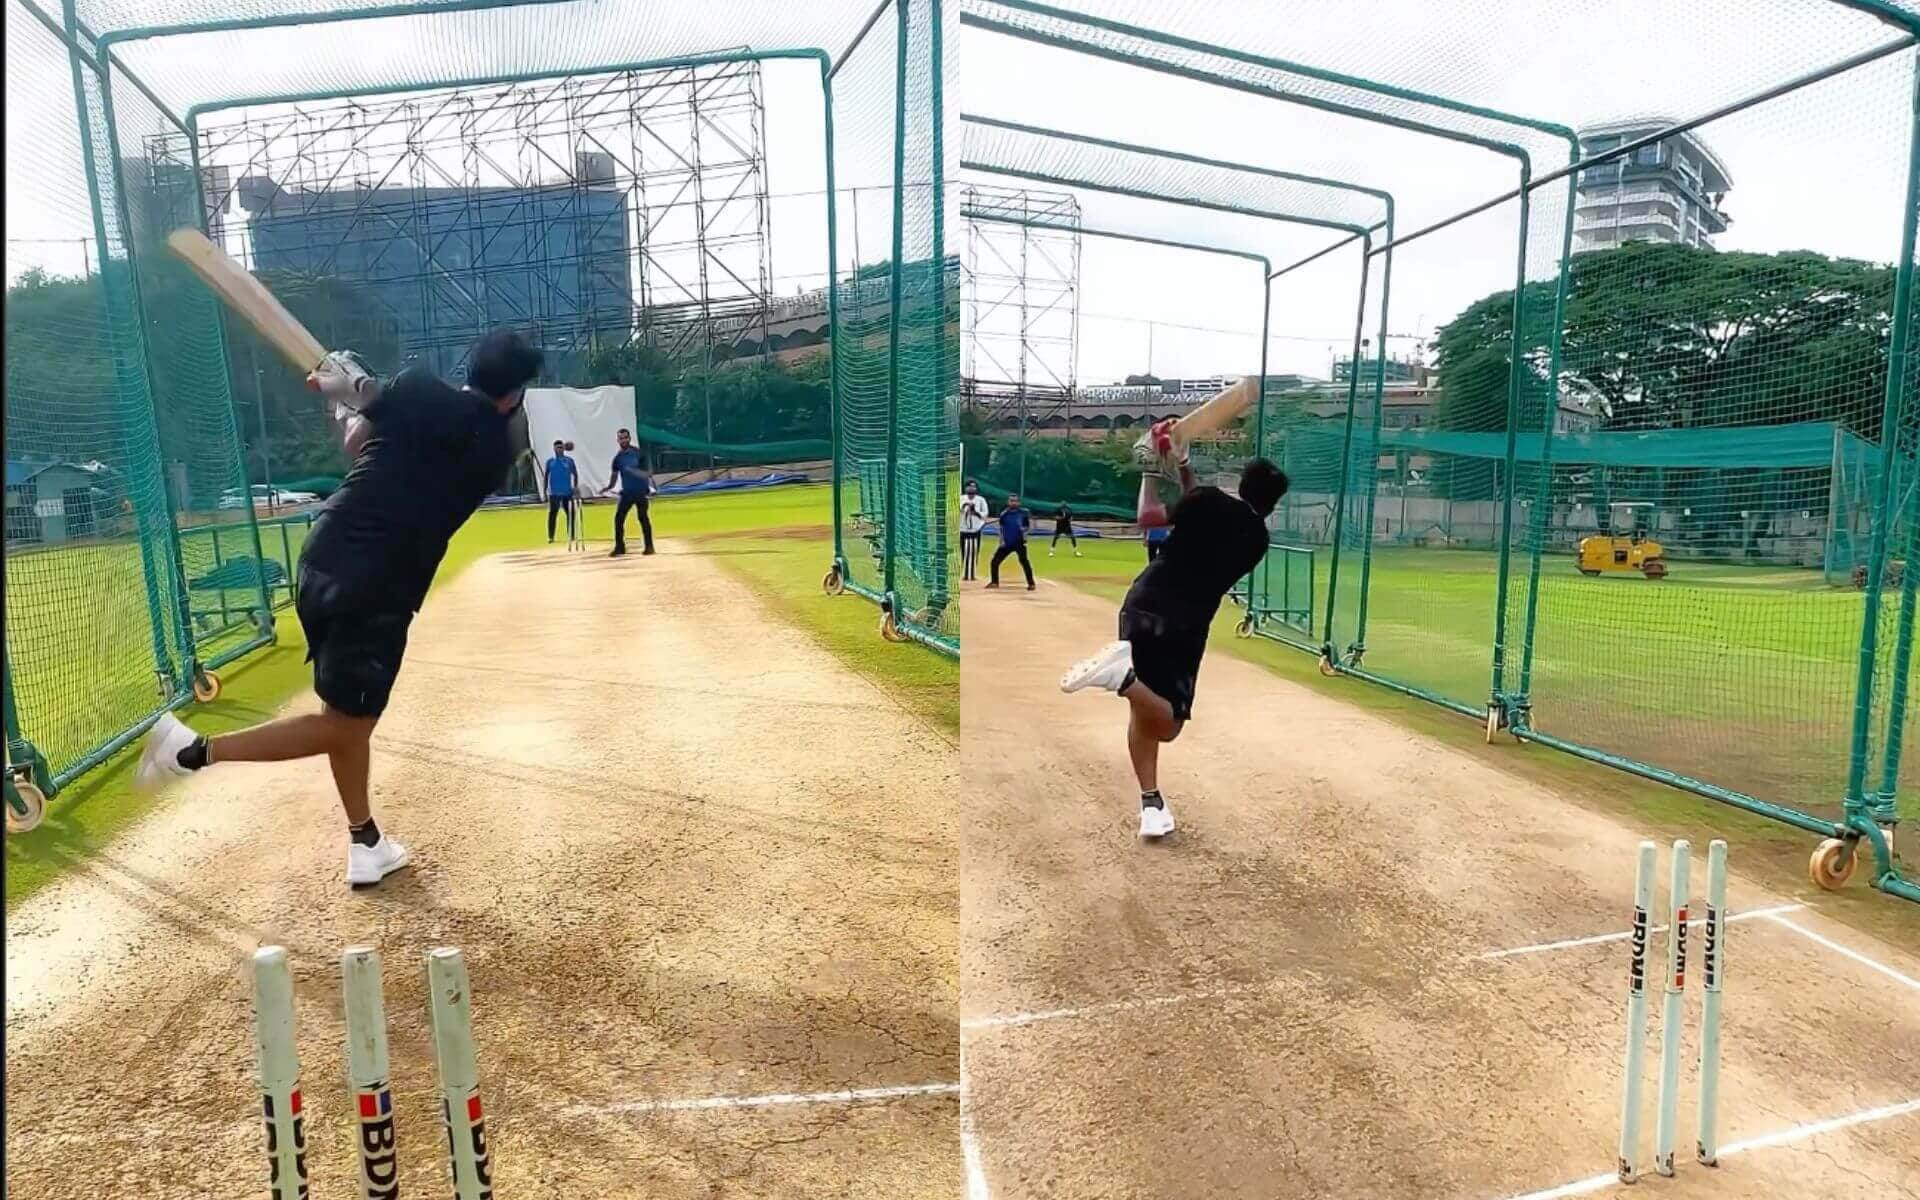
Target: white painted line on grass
{"x": 1594, "y": 1183}
{"x": 1855, "y": 955}
{"x": 1600, "y": 939}
{"x": 775, "y": 1100}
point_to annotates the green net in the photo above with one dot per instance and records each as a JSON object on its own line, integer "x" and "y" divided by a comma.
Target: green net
{"x": 895, "y": 343}
{"x": 1628, "y": 474}
{"x": 144, "y": 425}
{"x": 95, "y": 638}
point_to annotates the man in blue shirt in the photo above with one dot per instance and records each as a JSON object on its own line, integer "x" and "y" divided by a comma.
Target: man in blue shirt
{"x": 563, "y": 479}
{"x": 1156, "y": 540}
{"x": 1014, "y": 523}
{"x": 630, "y": 476}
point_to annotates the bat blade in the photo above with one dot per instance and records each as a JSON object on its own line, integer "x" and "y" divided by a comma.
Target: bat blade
{"x": 247, "y": 297}
{"x": 1220, "y": 411}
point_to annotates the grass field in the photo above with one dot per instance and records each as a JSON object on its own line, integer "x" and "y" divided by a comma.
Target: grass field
{"x": 776, "y": 542}
{"x": 1739, "y": 676}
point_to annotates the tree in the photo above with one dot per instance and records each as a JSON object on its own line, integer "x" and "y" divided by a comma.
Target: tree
{"x": 1675, "y": 337}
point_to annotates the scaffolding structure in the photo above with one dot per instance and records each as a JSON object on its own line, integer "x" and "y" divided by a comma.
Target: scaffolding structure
{"x": 1022, "y": 296}
{"x": 586, "y": 210}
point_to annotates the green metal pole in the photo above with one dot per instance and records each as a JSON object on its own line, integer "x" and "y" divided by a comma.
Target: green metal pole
{"x": 1883, "y": 804}
{"x": 187, "y": 650}
{"x": 1542, "y": 515}
{"x": 1259, "y": 597}
{"x": 1379, "y": 396}
{"x": 228, "y": 421}
{"x": 125, "y": 371}
{"x": 1858, "y": 809}
{"x": 1514, "y": 370}
{"x": 938, "y": 595}
{"x": 1346, "y": 455}
{"x": 893, "y": 317}
{"x": 835, "y": 362}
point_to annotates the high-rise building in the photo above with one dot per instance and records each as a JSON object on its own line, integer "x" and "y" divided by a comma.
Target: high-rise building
{"x": 1666, "y": 191}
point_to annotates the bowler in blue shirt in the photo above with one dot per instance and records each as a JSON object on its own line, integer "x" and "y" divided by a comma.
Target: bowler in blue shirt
{"x": 630, "y": 476}
{"x": 1014, "y": 523}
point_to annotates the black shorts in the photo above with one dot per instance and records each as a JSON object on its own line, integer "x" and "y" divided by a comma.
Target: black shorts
{"x": 355, "y": 652}
{"x": 1166, "y": 656}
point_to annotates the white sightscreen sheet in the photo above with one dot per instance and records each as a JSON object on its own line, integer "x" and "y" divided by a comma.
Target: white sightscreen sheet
{"x": 587, "y": 417}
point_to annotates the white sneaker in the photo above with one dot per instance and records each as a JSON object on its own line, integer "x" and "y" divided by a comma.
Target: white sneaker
{"x": 159, "y": 762}
{"x": 1106, "y": 670}
{"x": 1076, "y": 552}
{"x": 1050, "y": 552}
{"x": 368, "y": 865}
{"x": 1156, "y": 822}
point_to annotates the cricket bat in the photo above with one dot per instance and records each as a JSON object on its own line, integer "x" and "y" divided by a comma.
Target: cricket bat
{"x": 248, "y": 297}
{"x": 1220, "y": 411}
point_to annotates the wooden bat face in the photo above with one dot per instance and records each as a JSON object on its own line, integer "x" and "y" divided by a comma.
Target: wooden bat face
{"x": 247, "y": 297}
{"x": 1220, "y": 411}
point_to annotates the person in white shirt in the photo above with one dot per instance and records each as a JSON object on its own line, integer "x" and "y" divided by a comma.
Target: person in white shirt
{"x": 973, "y": 520}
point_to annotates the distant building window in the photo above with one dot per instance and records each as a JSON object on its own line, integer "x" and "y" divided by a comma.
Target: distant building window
{"x": 1649, "y": 156}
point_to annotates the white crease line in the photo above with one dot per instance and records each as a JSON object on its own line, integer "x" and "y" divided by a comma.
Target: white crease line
{"x": 847, "y": 1096}
{"x": 1594, "y": 1183}
{"x": 976, "y": 1172}
{"x": 1112, "y": 1006}
{"x": 1855, "y": 955}
{"x": 1603, "y": 938}
{"x": 1116, "y": 1006}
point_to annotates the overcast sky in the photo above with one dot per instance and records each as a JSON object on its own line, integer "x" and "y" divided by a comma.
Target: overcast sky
{"x": 1821, "y": 170}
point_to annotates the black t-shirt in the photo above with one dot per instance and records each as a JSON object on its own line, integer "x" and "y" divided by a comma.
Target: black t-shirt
{"x": 1063, "y": 519}
{"x": 435, "y": 453}
{"x": 1215, "y": 540}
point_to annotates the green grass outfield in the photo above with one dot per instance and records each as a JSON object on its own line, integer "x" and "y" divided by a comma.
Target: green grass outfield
{"x": 777, "y": 542}
{"x": 1737, "y": 675}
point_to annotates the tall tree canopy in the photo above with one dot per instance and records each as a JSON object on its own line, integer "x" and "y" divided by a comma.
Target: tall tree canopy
{"x": 1673, "y": 337}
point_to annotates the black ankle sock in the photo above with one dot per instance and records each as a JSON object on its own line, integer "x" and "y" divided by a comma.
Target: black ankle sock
{"x": 365, "y": 835}
{"x": 1152, "y": 799}
{"x": 193, "y": 757}
{"x": 1126, "y": 682}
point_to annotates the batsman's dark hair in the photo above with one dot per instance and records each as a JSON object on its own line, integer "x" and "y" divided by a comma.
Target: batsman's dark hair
{"x": 502, "y": 363}
{"x": 1262, "y": 484}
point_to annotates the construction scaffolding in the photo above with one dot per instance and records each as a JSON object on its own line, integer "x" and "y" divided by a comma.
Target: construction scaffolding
{"x": 587, "y": 210}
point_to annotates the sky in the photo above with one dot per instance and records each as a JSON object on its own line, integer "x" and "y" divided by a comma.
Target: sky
{"x": 49, "y": 223}
{"x": 1821, "y": 169}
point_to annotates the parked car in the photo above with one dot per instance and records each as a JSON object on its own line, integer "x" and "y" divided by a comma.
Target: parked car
{"x": 263, "y": 496}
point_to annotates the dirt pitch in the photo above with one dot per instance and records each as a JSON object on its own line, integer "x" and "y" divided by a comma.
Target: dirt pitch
{"x": 1343, "y": 977}
{"x": 689, "y": 857}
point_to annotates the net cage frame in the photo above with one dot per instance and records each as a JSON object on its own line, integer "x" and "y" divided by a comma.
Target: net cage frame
{"x": 1255, "y": 594}
{"x": 1867, "y": 816}
{"x": 98, "y": 60}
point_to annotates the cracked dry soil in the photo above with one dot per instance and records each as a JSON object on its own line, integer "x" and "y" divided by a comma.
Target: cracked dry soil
{"x": 1314, "y": 926}
{"x": 686, "y": 853}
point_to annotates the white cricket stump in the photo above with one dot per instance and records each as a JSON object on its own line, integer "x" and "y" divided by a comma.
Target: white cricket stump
{"x": 1636, "y": 1015}
{"x": 368, "y": 1073}
{"x": 279, "y": 1074}
{"x": 1713, "y": 974}
{"x": 1673, "y": 1010}
{"x": 449, "y": 1001}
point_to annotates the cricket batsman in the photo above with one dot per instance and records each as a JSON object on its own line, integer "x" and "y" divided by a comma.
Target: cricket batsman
{"x": 1215, "y": 539}
{"x": 425, "y": 454}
